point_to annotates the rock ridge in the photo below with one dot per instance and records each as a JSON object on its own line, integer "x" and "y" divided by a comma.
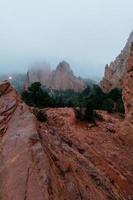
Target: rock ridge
{"x": 126, "y": 132}
{"x": 114, "y": 73}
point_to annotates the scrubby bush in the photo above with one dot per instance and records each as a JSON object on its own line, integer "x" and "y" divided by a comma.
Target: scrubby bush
{"x": 97, "y": 99}
{"x": 37, "y": 97}
{"x": 92, "y": 98}
{"x": 41, "y": 116}
{"x": 85, "y": 114}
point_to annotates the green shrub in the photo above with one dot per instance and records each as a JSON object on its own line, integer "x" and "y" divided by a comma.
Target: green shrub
{"x": 41, "y": 116}
{"x": 37, "y": 97}
{"x": 85, "y": 114}
{"x": 92, "y": 98}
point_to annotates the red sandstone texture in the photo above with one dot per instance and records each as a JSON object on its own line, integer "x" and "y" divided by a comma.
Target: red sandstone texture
{"x": 126, "y": 132}
{"x": 61, "y": 159}
{"x": 115, "y": 72}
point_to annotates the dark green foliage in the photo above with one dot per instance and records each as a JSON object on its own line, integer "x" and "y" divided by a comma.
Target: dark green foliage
{"x": 92, "y": 98}
{"x": 86, "y": 91}
{"x": 41, "y": 116}
{"x": 120, "y": 106}
{"x": 95, "y": 99}
{"x": 98, "y": 100}
{"x": 85, "y": 114}
{"x": 27, "y": 97}
{"x": 107, "y": 104}
{"x": 37, "y": 97}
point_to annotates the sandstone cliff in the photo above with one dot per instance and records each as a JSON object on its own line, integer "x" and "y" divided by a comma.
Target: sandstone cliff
{"x": 61, "y": 159}
{"x": 126, "y": 132}
{"x": 60, "y": 79}
{"x": 114, "y": 73}
{"x": 63, "y": 78}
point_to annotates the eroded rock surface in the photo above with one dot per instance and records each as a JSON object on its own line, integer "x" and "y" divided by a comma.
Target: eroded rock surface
{"x": 18, "y": 173}
{"x": 87, "y": 159}
{"x": 114, "y": 73}
{"x": 126, "y": 132}
{"x": 61, "y": 159}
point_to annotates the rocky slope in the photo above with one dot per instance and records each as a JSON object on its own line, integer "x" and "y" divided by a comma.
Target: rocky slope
{"x": 114, "y": 73}
{"x": 61, "y": 159}
{"x": 60, "y": 79}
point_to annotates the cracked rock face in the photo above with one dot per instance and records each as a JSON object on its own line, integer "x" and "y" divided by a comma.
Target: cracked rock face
{"x": 114, "y": 73}
{"x": 61, "y": 159}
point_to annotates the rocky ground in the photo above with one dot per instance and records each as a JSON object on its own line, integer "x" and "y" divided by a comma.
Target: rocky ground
{"x": 61, "y": 159}
{"x": 87, "y": 160}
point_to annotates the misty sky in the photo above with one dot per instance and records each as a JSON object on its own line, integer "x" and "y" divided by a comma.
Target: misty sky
{"x": 86, "y": 33}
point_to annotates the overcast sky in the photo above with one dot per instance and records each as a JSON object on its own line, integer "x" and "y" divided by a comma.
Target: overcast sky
{"x": 86, "y": 33}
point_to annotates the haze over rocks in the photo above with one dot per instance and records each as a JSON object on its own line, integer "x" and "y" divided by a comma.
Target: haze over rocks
{"x": 60, "y": 79}
{"x": 64, "y": 158}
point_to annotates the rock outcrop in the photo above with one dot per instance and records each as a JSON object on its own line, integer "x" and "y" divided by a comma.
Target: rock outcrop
{"x": 60, "y": 79}
{"x": 126, "y": 132}
{"x": 18, "y": 173}
{"x": 63, "y": 78}
{"x": 114, "y": 73}
{"x": 61, "y": 159}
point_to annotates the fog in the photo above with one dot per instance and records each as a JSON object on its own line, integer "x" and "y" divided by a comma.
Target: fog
{"x": 87, "y": 34}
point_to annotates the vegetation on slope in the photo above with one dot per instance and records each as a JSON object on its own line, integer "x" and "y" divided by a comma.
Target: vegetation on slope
{"x": 84, "y": 103}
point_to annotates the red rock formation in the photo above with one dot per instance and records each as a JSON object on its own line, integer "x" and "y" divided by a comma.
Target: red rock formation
{"x": 61, "y": 159}
{"x": 114, "y": 73}
{"x": 60, "y": 79}
{"x": 18, "y": 173}
{"x": 126, "y": 132}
